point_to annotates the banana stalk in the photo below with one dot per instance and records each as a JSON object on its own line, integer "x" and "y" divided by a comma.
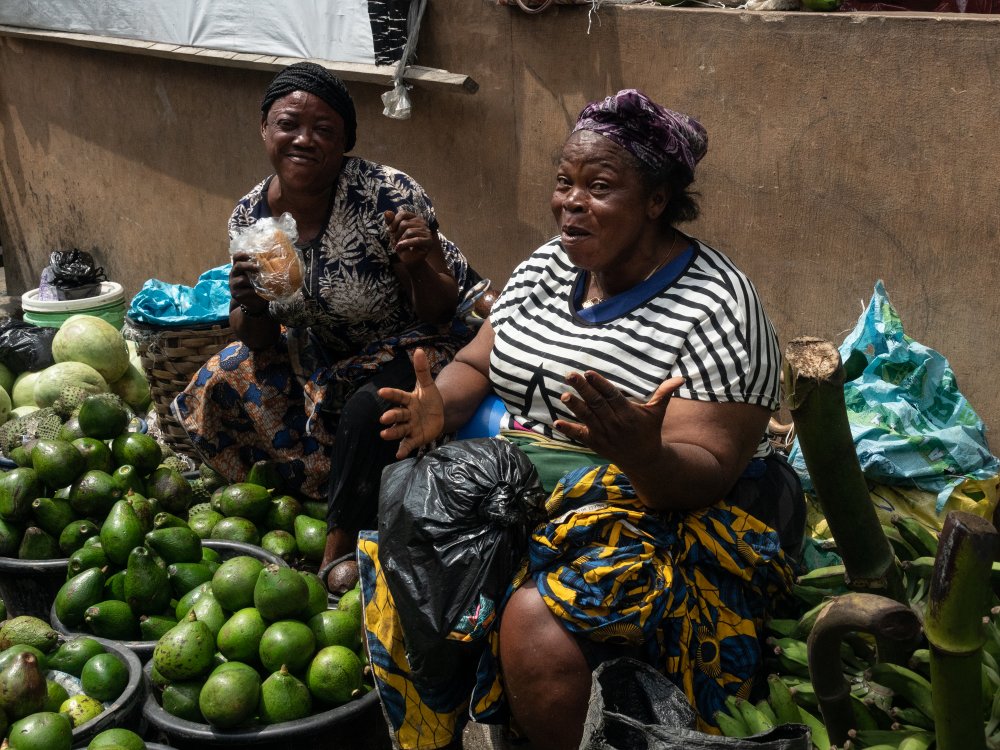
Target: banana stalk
{"x": 960, "y": 595}
{"x": 814, "y": 391}
{"x": 880, "y": 616}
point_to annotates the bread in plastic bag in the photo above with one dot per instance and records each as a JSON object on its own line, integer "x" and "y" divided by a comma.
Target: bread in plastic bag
{"x": 271, "y": 243}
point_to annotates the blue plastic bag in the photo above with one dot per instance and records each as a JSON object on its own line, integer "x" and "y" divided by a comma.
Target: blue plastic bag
{"x": 910, "y": 423}
{"x": 162, "y": 304}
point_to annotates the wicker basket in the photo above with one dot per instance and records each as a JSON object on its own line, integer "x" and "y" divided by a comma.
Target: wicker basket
{"x": 170, "y": 357}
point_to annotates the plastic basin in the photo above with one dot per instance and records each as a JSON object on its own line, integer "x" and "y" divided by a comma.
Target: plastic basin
{"x": 144, "y": 649}
{"x": 334, "y": 728}
{"x": 29, "y": 587}
{"x": 108, "y": 304}
{"x": 125, "y": 711}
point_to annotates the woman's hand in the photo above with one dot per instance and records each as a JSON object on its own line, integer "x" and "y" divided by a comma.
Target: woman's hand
{"x": 419, "y": 417}
{"x": 422, "y": 269}
{"x": 412, "y": 239}
{"x": 241, "y": 284}
{"x": 610, "y": 424}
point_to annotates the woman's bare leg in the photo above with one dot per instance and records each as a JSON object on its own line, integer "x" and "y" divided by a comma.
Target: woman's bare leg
{"x": 545, "y": 674}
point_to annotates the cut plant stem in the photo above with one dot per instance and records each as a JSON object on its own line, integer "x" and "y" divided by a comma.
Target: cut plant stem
{"x": 814, "y": 393}
{"x": 960, "y": 596}
{"x": 886, "y": 619}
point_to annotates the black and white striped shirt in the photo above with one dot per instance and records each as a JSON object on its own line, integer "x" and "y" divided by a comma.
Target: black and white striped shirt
{"x": 707, "y": 325}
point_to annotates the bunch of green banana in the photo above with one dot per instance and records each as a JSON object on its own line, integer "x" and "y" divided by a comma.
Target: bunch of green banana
{"x": 742, "y": 718}
{"x": 892, "y": 703}
{"x": 814, "y": 588}
{"x": 792, "y": 659}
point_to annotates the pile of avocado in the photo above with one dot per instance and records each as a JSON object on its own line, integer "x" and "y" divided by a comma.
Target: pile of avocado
{"x": 71, "y": 473}
{"x": 237, "y": 642}
{"x": 126, "y": 584}
{"x": 259, "y": 645}
{"x": 48, "y": 688}
{"x": 64, "y": 485}
{"x": 258, "y": 511}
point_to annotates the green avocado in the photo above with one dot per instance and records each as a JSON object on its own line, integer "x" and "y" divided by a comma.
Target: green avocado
{"x": 76, "y": 595}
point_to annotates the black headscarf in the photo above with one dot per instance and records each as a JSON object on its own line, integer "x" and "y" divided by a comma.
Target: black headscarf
{"x": 315, "y": 79}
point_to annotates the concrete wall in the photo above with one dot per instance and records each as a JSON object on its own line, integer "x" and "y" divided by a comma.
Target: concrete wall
{"x": 844, "y": 148}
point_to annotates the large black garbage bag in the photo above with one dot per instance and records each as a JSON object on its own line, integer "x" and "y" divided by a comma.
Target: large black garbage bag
{"x": 634, "y": 707}
{"x": 453, "y": 527}
{"x": 24, "y": 346}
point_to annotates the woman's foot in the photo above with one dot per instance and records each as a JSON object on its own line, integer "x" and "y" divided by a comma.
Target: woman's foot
{"x": 338, "y": 543}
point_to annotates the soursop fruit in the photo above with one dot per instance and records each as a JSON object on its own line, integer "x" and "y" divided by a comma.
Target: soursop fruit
{"x": 43, "y": 423}
{"x": 175, "y": 462}
{"x": 69, "y": 399}
{"x": 198, "y": 508}
{"x": 201, "y": 493}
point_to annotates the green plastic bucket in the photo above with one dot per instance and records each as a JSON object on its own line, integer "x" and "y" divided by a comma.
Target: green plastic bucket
{"x": 108, "y": 304}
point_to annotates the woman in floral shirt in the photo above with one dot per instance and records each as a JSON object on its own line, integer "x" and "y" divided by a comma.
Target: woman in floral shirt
{"x": 300, "y": 387}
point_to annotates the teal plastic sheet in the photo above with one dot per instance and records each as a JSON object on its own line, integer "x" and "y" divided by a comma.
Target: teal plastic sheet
{"x": 162, "y": 304}
{"x": 910, "y": 423}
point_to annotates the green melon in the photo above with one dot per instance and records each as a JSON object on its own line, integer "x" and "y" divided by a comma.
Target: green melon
{"x": 54, "y": 378}
{"x": 133, "y": 388}
{"x": 22, "y": 393}
{"x": 92, "y": 341}
{"x": 7, "y": 377}
{"x": 5, "y": 405}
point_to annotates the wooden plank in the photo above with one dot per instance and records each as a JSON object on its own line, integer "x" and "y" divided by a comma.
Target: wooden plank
{"x": 417, "y": 75}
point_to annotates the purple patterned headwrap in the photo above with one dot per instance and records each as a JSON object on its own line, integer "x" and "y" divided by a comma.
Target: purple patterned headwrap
{"x": 651, "y": 133}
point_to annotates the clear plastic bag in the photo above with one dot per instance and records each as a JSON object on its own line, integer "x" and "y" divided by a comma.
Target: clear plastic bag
{"x": 271, "y": 243}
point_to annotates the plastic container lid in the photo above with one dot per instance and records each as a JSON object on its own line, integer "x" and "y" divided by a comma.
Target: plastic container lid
{"x": 111, "y": 292}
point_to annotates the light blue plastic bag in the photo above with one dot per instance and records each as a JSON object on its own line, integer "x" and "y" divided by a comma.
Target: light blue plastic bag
{"x": 162, "y": 304}
{"x": 910, "y": 423}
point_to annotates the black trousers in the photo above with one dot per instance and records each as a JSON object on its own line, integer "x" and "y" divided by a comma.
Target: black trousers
{"x": 359, "y": 453}
{"x": 775, "y": 498}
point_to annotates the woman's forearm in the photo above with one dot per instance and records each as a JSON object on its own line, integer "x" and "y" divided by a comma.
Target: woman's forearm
{"x": 702, "y": 450}
{"x": 462, "y": 388}
{"x": 257, "y": 332}
{"x": 464, "y": 382}
{"x": 433, "y": 293}
{"x": 676, "y": 477}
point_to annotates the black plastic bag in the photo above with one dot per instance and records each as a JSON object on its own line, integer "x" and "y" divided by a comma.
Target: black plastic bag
{"x": 74, "y": 274}
{"x": 24, "y": 346}
{"x": 633, "y": 706}
{"x": 453, "y": 524}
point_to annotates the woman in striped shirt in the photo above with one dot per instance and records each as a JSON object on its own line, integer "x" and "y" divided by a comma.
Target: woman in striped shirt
{"x": 639, "y": 371}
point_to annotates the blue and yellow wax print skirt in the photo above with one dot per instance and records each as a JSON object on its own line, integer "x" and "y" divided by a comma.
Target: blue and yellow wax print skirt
{"x": 689, "y": 589}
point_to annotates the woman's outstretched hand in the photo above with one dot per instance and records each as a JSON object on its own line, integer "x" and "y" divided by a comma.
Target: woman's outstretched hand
{"x": 411, "y": 238}
{"x": 610, "y": 424}
{"x": 418, "y": 417}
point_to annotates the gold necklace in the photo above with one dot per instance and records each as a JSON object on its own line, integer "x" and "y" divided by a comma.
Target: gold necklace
{"x": 596, "y": 300}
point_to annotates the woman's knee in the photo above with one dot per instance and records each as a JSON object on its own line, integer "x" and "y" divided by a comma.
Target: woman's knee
{"x": 362, "y": 409}
{"x": 545, "y": 673}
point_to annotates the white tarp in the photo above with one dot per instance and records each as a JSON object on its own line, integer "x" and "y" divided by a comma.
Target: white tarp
{"x": 339, "y": 30}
